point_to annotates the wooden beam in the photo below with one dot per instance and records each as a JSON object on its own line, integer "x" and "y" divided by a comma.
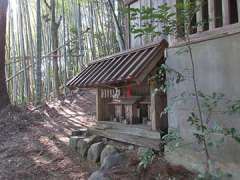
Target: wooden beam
{"x": 211, "y": 13}
{"x": 228, "y": 30}
{"x": 104, "y": 112}
{"x": 225, "y": 12}
{"x": 172, "y": 3}
{"x": 128, "y": 2}
{"x": 200, "y": 17}
{"x": 155, "y": 110}
{"x": 131, "y": 129}
{"x": 127, "y": 138}
{"x": 238, "y": 4}
{"x": 99, "y": 105}
{"x": 158, "y": 105}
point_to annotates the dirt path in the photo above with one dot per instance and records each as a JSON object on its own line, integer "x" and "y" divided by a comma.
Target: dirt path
{"x": 32, "y": 147}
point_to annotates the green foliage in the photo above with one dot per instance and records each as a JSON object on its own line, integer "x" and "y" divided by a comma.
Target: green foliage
{"x": 234, "y": 133}
{"x": 211, "y": 131}
{"x": 208, "y": 130}
{"x": 173, "y": 77}
{"x": 151, "y": 17}
{"x": 217, "y": 175}
{"x": 164, "y": 15}
{"x": 74, "y": 31}
{"x": 172, "y": 139}
{"x": 74, "y": 46}
{"x": 211, "y": 102}
{"x": 235, "y": 107}
{"x": 59, "y": 4}
{"x": 146, "y": 158}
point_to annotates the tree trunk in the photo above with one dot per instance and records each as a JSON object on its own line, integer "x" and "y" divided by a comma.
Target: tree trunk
{"x": 4, "y": 98}
{"x": 39, "y": 51}
{"x": 14, "y": 67}
{"x": 119, "y": 32}
{"x": 92, "y": 38}
{"x": 22, "y": 45}
{"x": 65, "y": 48}
{"x": 54, "y": 29}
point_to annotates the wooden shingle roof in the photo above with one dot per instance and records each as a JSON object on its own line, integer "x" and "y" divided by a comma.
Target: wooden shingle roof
{"x": 125, "y": 67}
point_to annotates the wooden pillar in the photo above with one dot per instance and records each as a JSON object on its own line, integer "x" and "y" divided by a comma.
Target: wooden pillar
{"x": 172, "y": 3}
{"x": 199, "y": 17}
{"x": 104, "y": 112}
{"x": 155, "y": 110}
{"x": 99, "y": 105}
{"x": 238, "y": 4}
{"x": 211, "y": 13}
{"x": 158, "y": 105}
{"x": 225, "y": 12}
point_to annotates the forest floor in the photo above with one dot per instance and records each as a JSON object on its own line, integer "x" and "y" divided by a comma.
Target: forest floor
{"x": 34, "y": 144}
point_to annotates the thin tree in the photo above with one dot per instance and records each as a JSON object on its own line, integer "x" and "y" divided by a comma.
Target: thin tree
{"x": 39, "y": 50}
{"x": 4, "y": 98}
{"x": 54, "y": 31}
{"x": 55, "y": 43}
{"x": 119, "y": 32}
{"x": 22, "y": 48}
{"x": 65, "y": 48}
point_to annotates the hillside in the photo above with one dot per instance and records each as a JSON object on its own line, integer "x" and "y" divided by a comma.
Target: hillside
{"x": 34, "y": 144}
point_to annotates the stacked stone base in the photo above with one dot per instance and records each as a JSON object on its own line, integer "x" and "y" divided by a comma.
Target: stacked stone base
{"x": 96, "y": 149}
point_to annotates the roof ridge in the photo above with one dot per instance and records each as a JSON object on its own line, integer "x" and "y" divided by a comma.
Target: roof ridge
{"x": 150, "y": 45}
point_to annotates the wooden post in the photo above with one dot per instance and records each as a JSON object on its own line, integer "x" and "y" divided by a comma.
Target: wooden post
{"x": 158, "y": 105}
{"x": 99, "y": 105}
{"x": 225, "y": 12}
{"x": 155, "y": 108}
{"x": 104, "y": 112}
{"x": 238, "y": 4}
{"x": 211, "y": 13}
{"x": 171, "y": 3}
{"x": 199, "y": 17}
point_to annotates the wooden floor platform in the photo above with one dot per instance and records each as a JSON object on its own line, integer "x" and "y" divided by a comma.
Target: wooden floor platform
{"x": 140, "y": 135}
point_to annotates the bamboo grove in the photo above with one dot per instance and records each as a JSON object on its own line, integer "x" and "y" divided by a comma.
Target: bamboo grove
{"x": 49, "y": 41}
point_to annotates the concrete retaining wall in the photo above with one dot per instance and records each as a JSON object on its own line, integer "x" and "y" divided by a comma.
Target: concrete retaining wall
{"x": 218, "y": 70}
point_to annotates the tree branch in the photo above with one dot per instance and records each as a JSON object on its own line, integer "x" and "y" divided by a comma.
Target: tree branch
{"x": 46, "y": 3}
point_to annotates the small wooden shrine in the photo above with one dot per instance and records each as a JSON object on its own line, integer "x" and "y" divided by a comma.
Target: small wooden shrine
{"x": 125, "y": 93}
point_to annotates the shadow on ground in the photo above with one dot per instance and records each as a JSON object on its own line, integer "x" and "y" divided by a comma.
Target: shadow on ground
{"x": 34, "y": 144}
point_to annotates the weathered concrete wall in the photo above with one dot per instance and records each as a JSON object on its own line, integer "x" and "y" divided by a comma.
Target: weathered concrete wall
{"x": 217, "y": 70}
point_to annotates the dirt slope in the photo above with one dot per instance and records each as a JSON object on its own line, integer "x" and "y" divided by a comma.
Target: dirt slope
{"x": 34, "y": 144}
